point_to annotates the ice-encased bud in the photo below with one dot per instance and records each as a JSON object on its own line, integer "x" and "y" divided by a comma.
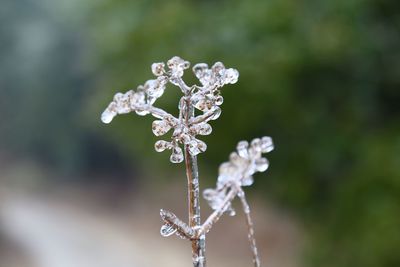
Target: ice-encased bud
{"x": 177, "y": 155}
{"x": 261, "y": 164}
{"x": 218, "y": 100}
{"x": 161, "y": 145}
{"x": 158, "y": 68}
{"x": 193, "y": 148}
{"x": 200, "y": 70}
{"x": 196, "y": 147}
{"x": 160, "y": 127}
{"x": 177, "y": 65}
{"x": 247, "y": 180}
{"x": 108, "y": 115}
{"x": 218, "y": 68}
{"x": 122, "y": 102}
{"x": 231, "y": 76}
{"x": 242, "y": 147}
{"x": 266, "y": 144}
{"x": 167, "y": 230}
{"x": 216, "y": 113}
{"x": 155, "y": 88}
{"x": 205, "y": 129}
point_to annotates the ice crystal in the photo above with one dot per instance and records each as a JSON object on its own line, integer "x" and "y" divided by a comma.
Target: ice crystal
{"x": 205, "y": 97}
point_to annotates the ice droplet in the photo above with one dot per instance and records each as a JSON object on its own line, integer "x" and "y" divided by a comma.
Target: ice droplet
{"x": 193, "y": 148}
{"x": 177, "y": 155}
{"x": 242, "y": 149}
{"x": 261, "y": 164}
{"x": 160, "y": 127}
{"x": 266, "y": 144}
{"x": 231, "y": 76}
{"x": 205, "y": 129}
{"x": 247, "y": 180}
{"x": 217, "y": 113}
{"x": 200, "y": 69}
{"x": 201, "y": 145}
{"x": 177, "y": 65}
{"x": 167, "y": 230}
{"x": 158, "y": 68}
{"x": 219, "y": 100}
{"x": 161, "y": 145}
{"x": 107, "y": 116}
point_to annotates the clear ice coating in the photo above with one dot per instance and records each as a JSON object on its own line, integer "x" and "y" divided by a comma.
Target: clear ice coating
{"x": 205, "y": 97}
{"x": 239, "y": 170}
{"x": 167, "y": 230}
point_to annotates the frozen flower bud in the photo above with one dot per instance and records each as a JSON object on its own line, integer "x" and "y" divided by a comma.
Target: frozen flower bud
{"x": 162, "y": 145}
{"x": 108, "y": 114}
{"x": 158, "y": 68}
{"x": 218, "y": 100}
{"x": 261, "y": 164}
{"x": 200, "y": 70}
{"x": 201, "y": 145}
{"x": 242, "y": 147}
{"x": 218, "y": 67}
{"x": 231, "y": 76}
{"x": 155, "y": 88}
{"x": 216, "y": 113}
{"x": 266, "y": 144}
{"x": 160, "y": 127}
{"x": 177, "y": 65}
{"x": 177, "y": 155}
{"x": 196, "y": 147}
{"x": 204, "y": 129}
{"x": 137, "y": 99}
{"x": 193, "y": 148}
{"x": 247, "y": 180}
{"x": 167, "y": 230}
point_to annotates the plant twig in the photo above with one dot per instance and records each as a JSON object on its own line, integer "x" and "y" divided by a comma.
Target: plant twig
{"x": 182, "y": 228}
{"x": 216, "y": 215}
{"x": 250, "y": 227}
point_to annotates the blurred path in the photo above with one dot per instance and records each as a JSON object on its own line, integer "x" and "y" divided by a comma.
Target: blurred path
{"x": 57, "y": 234}
{"x": 62, "y": 237}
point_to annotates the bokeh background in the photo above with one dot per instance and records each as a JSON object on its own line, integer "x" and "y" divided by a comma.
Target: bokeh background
{"x": 320, "y": 77}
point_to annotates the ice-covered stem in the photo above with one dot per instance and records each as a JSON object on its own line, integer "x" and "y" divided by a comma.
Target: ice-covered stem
{"x": 216, "y": 215}
{"x": 250, "y": 227}
{"x": 177, "y": 225}
{"x": 192, "y": 174}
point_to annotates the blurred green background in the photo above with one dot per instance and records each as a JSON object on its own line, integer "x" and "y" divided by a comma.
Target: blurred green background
{"x": 322, "y": 78}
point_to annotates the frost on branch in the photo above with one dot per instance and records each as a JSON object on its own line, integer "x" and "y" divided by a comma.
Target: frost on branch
{"x": 205, "y": 97}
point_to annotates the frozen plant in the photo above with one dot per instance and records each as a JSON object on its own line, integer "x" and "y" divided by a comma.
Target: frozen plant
{"x": 185, "y": 146}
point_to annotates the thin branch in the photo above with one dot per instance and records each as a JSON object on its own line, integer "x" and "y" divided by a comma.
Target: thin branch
{"x": 205, "y": 117}
{"x": 250, "y": 228}
{"x": 216, "y": 215}
{"x": 156, "y": 112}
{"x": 182, "y": 228}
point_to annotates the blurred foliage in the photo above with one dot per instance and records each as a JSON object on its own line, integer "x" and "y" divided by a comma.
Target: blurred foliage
{"x": 321, "y": 77}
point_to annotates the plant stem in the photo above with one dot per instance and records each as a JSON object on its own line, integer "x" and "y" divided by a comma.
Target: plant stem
{"x": 192, "y": 173}
{"x": 250, "y": 228}
{"x": 216, "y": 215}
